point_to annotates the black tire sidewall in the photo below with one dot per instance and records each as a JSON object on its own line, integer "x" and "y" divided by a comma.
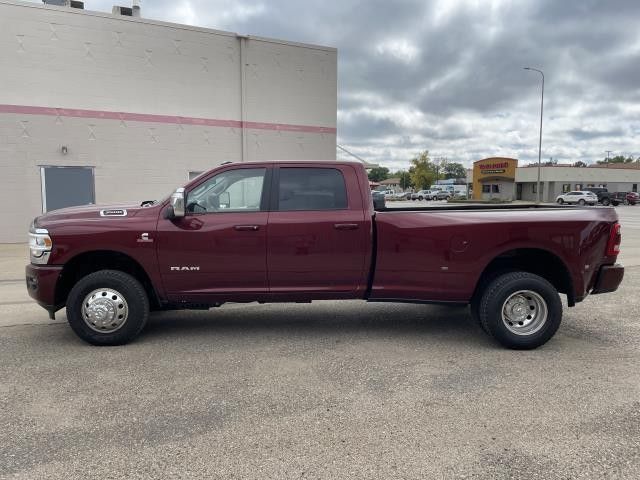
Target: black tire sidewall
{"x": 132, "y": 291}
{"x": 496, "y": 293}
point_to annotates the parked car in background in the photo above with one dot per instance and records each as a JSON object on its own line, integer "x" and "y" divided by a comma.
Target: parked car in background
{"x": 443, "y": 195}
{"x": 604, "y": 197}
{"x": 628, "y": 198}
{"x": 578, "y": 198}
{"x": 402, "y": 196}
{"x": 423, "y": 195}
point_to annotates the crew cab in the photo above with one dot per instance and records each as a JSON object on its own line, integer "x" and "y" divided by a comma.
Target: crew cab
{"x": 304, "y": 231}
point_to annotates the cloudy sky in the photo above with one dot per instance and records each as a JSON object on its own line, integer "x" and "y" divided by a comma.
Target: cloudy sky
{"x": 447, "y": 75}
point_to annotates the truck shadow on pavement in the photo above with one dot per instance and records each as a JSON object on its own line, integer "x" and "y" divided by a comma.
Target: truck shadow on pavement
{"x": 452, "y": 324}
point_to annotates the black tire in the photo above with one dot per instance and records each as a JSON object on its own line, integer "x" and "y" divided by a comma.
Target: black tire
{"x": 560, "y": 201}
{"x": 420, "y": 198}
{"x": 131, "y": 291}
{"x": 474, "y": 309}
{"x": 501, "y": 289}
{"x": 606, "y": 202}
{"x": 581, "y": 202}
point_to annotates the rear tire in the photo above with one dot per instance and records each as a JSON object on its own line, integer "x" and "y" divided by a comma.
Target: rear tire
{"x": 420, "y": 198}
{"x": 520, "y": 310}
{"x": 581, "y": 202}
{"x": 107, "y": 307}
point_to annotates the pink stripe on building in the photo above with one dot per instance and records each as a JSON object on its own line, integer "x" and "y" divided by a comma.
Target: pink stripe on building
{"x": 170, "y": 119}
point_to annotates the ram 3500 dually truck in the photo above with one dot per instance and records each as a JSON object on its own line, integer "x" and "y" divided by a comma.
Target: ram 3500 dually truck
{"x": 303, "y": 231}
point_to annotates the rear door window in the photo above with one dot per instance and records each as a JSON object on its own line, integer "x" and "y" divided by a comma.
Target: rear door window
{"x": 311, "y": 189}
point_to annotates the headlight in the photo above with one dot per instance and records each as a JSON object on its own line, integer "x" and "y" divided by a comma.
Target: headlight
{"x": 39, "y": 244}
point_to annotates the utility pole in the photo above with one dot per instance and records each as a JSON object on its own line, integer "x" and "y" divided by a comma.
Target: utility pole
{"x": 608, "y": 152}
{"x": 540, "y": 140}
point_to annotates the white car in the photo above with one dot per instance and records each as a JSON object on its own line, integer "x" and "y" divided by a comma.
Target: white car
{"x": 578, "y": 197}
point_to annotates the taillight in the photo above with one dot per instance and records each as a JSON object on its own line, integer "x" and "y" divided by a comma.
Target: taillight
{"x": 613, "y": 246}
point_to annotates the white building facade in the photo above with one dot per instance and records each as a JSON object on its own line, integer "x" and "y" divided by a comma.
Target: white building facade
{"x": 103, "y": 108}
{"x": 556, "y": 180}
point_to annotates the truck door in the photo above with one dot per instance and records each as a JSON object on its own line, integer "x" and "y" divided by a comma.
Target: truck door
{"x": 219, "y": 246}
{"x": 317, "y": 237}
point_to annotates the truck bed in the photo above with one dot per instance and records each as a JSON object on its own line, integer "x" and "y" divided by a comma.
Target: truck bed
{"x": 439, "y": 253}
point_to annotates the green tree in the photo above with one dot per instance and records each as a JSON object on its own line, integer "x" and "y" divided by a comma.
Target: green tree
{"x": 454, "y": 170}
{"x": 422, "y": 171}
{"x": 616, "y": 159}
{"x": 579, "y": 163}
{"x": 378, "y": 174}
{"x": 405, "y": 178}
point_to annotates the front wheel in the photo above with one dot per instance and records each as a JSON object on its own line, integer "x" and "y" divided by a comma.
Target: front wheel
{"x": 520, "y": 310}
{"x": 560, "y": 201}
{"x": 107, "y": 307}
{"x": 606, "y": 202}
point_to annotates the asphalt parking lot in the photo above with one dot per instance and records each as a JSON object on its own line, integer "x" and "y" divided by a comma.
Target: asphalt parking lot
{"x": 327, "y": 390}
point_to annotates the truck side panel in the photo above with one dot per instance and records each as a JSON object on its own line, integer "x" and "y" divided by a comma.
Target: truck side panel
{"x": 440, "y": 255}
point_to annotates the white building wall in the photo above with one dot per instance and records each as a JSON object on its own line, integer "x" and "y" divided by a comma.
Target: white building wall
{"x": 145, "y": 102}
{"x": 553, "y": 179}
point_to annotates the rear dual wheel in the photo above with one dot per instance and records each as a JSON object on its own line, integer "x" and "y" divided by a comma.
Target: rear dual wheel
{"x": 519, "y": 309}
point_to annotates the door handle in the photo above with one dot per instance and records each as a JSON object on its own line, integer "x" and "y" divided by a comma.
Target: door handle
{"x": 246, "y": 228}
{"x": 346, "y": 226}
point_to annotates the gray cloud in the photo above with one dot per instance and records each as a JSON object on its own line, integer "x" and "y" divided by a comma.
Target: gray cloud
{"x": 447, "y": 75}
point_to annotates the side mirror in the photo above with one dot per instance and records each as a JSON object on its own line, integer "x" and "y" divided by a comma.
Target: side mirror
{"x": 177, "y": 203}
{"x": 225, "y": 200}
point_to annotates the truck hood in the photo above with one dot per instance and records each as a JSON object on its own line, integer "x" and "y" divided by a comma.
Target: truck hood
{"x": 91, "y": 212}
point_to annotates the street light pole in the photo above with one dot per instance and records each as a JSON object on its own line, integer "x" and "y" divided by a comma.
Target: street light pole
{"x": 540, "y": 139}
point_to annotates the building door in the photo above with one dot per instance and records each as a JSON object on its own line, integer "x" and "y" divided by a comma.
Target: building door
{"x": 519, "y": 191}
{"x": 66, "y": 187}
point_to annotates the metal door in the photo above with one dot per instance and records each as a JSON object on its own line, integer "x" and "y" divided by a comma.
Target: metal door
{"x": 66, "y": 187}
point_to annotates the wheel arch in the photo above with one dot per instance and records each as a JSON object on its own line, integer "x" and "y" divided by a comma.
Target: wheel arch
{"x": 538, "y": 261}
{"x": 92, "y": 261}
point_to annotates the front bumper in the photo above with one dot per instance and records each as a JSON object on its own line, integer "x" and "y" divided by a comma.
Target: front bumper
{"x": 609, "y": 278}
{"x": 41, "y": 285}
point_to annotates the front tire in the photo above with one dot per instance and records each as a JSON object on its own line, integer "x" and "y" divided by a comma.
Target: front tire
{"x": 520, "y": 310}
{"x": 606, "y": 202}
{"x": 107, "y": 307}
{"x": 560, "y": 201}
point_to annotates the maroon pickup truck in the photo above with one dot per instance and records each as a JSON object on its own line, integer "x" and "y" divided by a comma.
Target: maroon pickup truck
{"x": 303, "y": 231}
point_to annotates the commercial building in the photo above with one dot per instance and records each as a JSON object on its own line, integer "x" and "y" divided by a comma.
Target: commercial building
{"x": 558, "y": 179}
{"x": 494, "y": 178}
{"x": 101, "y": 108}
{"x": 502, "y": 178}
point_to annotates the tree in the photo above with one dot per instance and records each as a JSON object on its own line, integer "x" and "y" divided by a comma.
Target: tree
{"x": 422, "y": 171}
{"x": 378, "y": 174}
{"x": 454, "y": 170}
{"x": 616, "y": 159}
{"x": 405, "y": 178}
{"x": 579, "y": 163}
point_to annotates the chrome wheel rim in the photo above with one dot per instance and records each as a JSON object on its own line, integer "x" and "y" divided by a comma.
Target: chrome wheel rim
{"x": 524, "y": 312}
{"x": 105, "y": 310}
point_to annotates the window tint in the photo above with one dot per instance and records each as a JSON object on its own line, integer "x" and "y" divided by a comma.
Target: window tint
{"x": 237, "y": 190}
{"x": 311, "y": 189}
